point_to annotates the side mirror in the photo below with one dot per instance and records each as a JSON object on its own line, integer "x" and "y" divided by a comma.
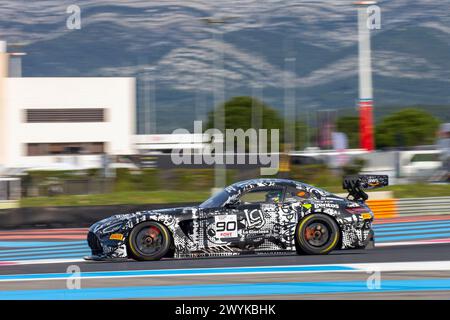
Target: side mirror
{"x": 233, "y": 205}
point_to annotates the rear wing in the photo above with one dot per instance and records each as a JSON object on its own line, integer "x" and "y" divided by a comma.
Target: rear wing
{"x": 355, "y": 185}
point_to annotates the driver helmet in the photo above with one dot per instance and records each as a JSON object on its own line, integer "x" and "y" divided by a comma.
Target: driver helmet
{"x": 273, "y": 196}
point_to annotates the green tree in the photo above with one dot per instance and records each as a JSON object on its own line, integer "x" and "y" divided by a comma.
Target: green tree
{"x": 350, "y": 126}
{"x": 238, "y": 114}
{"x": 406, "y": 128}
{"x": 301, "y": 135}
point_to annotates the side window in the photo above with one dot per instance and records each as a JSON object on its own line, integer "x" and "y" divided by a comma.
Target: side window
{"x": 274, "y": 195}
{"x": 295, "y": 195}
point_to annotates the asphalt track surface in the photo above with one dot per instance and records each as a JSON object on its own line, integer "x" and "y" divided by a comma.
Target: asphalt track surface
{"x": 414, "y": 262}
{"x": 437, "y": 252}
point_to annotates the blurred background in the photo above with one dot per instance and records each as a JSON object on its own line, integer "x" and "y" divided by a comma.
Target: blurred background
{"x": 90, "y": 92}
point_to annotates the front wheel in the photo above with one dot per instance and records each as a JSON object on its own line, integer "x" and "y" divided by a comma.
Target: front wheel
{"x": 317, "y": 234}
{"x": 149, "y": 241}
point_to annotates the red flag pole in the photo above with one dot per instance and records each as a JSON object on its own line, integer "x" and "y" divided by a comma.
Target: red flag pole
{"x": 365, "y": 78}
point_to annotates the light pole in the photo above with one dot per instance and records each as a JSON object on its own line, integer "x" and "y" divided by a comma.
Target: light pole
{"x": 365, "y": 77}
{"x": 220, "y": 169}
{"x": 257, "y": 93}
{"x": 200, "y": 97}
{"x": 149, "y": 101}
{"x": 308, "y": 128}
{"x": 4, "y": 58}
{"x": 289, "y": 104}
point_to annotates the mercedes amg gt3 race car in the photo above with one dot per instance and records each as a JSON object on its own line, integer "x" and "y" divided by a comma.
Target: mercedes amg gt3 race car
{"x": 257, "y": 216}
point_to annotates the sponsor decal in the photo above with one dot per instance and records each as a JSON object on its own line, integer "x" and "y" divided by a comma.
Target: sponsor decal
{"x": 259, "y": 232}
{"x": 255, "y": 219}
{"x": 116, "y": 236}
{"x": 326, "y": 205}
{"x": 353, "y": 205}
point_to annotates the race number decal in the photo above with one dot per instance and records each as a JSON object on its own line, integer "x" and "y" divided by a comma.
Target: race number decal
{"x": 226, "y": 226}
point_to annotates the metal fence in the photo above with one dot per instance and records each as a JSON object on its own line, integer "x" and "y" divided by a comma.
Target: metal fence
{"x": 67, "y": 187}
{"x": 422, "y": 206}
{"x": 9, "y": 189}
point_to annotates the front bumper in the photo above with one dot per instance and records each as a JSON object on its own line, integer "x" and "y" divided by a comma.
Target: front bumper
{"x": 94, "y": 243}
{"x": 104, "y": 248}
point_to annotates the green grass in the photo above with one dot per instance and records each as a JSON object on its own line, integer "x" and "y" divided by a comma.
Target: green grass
{"x": 419, "y": 190}
{"x": 135, "y": 197}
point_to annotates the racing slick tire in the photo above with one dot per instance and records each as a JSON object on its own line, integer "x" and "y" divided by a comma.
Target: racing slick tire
{"x": 316, "y": 234}
{"x": 149, "y": 241}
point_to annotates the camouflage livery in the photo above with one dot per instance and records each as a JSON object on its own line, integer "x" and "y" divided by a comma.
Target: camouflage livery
{"x": 268, "y": 227}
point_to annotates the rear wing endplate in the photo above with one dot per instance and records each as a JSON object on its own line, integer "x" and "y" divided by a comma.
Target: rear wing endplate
{"x": 355, "y": 185}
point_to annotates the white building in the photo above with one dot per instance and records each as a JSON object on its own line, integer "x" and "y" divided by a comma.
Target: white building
{"x": 64, "y": 122}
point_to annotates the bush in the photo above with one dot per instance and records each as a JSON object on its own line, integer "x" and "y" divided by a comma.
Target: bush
{"x": 136, "y": 180}
{"x": 406, "y": 128}
{"x": 192, "y": 179}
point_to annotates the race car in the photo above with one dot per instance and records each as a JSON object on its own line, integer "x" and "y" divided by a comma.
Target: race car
{"x": 259, "y": 216}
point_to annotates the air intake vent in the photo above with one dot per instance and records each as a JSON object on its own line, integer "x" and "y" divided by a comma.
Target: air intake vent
{"x": 65, "y": 115}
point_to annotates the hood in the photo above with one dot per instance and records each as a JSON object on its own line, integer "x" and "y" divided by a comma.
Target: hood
{"x": 118, "y": 221}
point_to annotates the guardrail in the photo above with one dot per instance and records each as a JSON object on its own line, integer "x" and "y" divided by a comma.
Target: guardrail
{"x": 419, "y": 206}
{"x": 391, "y": 208}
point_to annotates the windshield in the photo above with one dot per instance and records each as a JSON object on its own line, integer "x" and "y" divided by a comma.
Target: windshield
{"x": 216, "y": 200}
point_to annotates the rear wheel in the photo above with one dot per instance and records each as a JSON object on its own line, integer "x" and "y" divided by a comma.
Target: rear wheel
{"x": 317, "y": 234}
{"x": 149, "y": 241}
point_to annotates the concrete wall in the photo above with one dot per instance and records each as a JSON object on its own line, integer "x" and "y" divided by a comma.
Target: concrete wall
{"x": 66, "y": 217}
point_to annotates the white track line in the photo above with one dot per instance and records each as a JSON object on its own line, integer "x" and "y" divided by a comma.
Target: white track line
{"x": 42, "y": 261}
{"x": 356, "y": 267}
{"x": 402, "y": 266}
{"x": 382, "y": 244}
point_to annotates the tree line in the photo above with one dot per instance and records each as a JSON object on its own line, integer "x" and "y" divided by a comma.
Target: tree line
{"x": 407, "y": 127}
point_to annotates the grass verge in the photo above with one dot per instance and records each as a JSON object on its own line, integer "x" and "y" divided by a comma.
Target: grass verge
{"x": 419, "y": 190}
{"x": 116, "y": 198}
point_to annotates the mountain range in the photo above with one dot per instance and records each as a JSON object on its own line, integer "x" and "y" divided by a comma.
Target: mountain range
{"x": 282, "y": 51}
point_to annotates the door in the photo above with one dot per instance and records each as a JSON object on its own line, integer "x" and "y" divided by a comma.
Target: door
{"x": 244, "y": 225}
{"x": 256, "y": 214}
{"x": 296, "y": 202}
